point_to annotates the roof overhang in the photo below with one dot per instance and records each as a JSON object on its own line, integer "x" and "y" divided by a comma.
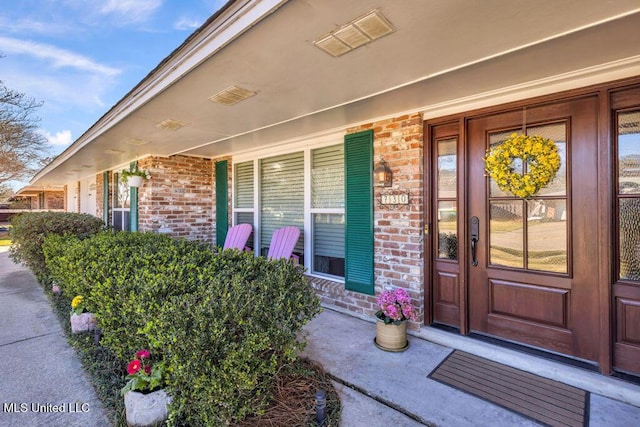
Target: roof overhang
{"x": 441, "y": 57}
{"x": 36, "y": 190}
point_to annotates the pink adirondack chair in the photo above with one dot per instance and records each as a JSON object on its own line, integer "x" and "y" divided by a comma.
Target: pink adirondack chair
{"x": 282, "y": 242}
{"x": 237, "y": 237}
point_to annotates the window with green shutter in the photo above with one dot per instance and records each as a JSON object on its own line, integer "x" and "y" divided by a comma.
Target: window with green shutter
{"x": 358, "y": 153}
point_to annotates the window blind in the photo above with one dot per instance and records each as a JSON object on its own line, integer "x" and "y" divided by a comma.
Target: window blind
{"x": 327, "y": 192}
{"x": 327, "y": 177}
{"x": 281, "y": 196}
{"x": 244, "y": 185}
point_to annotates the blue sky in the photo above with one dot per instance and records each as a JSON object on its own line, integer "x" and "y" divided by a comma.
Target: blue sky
{"x": 80, "y": 57}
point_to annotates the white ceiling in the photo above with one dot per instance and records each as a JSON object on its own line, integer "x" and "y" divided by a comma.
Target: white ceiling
{"x": 441, "y": 51}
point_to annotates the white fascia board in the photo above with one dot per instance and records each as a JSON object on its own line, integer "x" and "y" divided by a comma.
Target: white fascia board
{"x": 231, "y": 24}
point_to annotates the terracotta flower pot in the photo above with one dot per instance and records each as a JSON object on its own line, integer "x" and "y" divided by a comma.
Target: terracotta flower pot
{"x": 146, "y": 409}
{"x": 391, "y": 337}
{"x": 134, "y": 181}
{"x": 82, "y": 322}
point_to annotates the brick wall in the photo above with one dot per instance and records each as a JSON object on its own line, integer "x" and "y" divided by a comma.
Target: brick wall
{"x": 398, "y": 233}
{"x": 54, "y": 199}
{"x": 177, "y": 200}
{"x": 99, "y": 196}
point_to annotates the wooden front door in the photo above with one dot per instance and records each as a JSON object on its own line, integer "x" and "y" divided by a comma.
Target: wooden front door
{"x": 534, "y": 279}
{"x": 533, "y": 275}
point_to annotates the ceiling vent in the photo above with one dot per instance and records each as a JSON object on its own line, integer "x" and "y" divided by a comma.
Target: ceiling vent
{"x": 356, "y": 33}
{"x": 137, "y": 142}
{"x": 171, "y": 124}
{"x": 232, "y": 95}
{"x": 113, "y": 152}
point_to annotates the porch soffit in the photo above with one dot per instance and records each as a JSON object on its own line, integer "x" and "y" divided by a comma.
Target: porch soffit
{"x": 442, "y": 50}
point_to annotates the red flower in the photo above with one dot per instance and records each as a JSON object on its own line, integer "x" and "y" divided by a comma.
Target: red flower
{"x": 147, "y": 370}
{"x": 134, "y": 367}
{"x": 142, "y": 354}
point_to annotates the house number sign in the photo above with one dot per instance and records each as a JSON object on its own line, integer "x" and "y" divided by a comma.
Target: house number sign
{"x": 394, "y": 199}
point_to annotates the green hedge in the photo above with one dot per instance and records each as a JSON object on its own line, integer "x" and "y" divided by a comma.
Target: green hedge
{"x": 124, "y": 277}
{"x": 30, "y": 229}
{"x": 223, "y": 322}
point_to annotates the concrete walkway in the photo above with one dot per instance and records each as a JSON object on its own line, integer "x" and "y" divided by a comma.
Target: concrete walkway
{"x": 42, "y": 382}
{"x": 379, "y": 388}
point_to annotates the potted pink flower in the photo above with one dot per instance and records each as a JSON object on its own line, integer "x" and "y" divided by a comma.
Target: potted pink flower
{"x": 394, "y": 310}
{"x": 146, "y": 402}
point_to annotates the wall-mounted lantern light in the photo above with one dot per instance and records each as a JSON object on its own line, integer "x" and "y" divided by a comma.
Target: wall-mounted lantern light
{"x": 382, "y": 175}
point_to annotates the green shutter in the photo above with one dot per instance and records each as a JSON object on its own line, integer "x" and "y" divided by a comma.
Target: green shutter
{"x": 105, "y": 197}
{"x": 358, "y": 160}
{"x": 222, "y": 210}
{"x": 133, "y": 202}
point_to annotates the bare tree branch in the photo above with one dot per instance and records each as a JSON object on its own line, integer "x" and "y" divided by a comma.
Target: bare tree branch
{"x": 23, "y": 150}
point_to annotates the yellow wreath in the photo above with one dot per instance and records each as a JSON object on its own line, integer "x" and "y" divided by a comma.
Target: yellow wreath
{"x": 538, "y": 153}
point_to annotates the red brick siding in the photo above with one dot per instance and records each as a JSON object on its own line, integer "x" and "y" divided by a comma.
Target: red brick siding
{"x": 99, "y": 195}
{"x": 398, "y": 238}
{"x": 177, "y": 200}
{"x": 54, "y": 200}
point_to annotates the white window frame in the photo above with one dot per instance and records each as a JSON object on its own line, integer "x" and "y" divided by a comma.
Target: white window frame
{"x": 119, "y": 211}
{"x": 306, "y": 146}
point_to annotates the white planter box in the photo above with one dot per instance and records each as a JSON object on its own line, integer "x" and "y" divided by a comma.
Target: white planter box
{"x": 82, "y": 323}
{"x": 146, "y": 409}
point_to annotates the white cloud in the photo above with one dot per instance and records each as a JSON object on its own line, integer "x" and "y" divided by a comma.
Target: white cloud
{"x": 62, "y": 138}
{"x": 58, "y": 57}
{"x": 31, "y": 26}
{"x": 185, "y": 23}
{"x": 131, "y": 10}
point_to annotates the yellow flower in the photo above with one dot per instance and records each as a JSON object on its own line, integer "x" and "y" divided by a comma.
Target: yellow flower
{"x": 539, "y": 159}
{"x": 76, "y": 301}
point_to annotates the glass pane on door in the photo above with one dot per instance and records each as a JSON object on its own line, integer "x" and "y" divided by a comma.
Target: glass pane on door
{"x": 629, "y": 195}
{"x": 547, "y": 235}
{"x": 506, "y": 235}
{"x": 447, "y": 196}
{"x": 531, "y": 234}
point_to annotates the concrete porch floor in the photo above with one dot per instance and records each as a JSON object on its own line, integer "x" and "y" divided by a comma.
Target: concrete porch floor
{"x": 379, "y": 388}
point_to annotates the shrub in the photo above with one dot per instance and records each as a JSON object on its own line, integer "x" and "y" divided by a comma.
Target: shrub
{"x": 125, "y": 277}
{"x": 30, "y": 229}
{"x": 62, "y": 255}
{"x": 224, "y": 342}
{"x": 223, "y": 323}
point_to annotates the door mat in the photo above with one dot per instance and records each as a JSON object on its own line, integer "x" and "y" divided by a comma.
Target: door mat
{"x": 540, "y": 399}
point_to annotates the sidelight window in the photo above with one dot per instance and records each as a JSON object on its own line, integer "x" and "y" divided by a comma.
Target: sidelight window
{"x": 447, "y": 199}
{"x": 628, "y": 195}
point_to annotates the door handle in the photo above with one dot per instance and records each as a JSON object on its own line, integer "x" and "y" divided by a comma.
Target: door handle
{"x": 475, "y": 238}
